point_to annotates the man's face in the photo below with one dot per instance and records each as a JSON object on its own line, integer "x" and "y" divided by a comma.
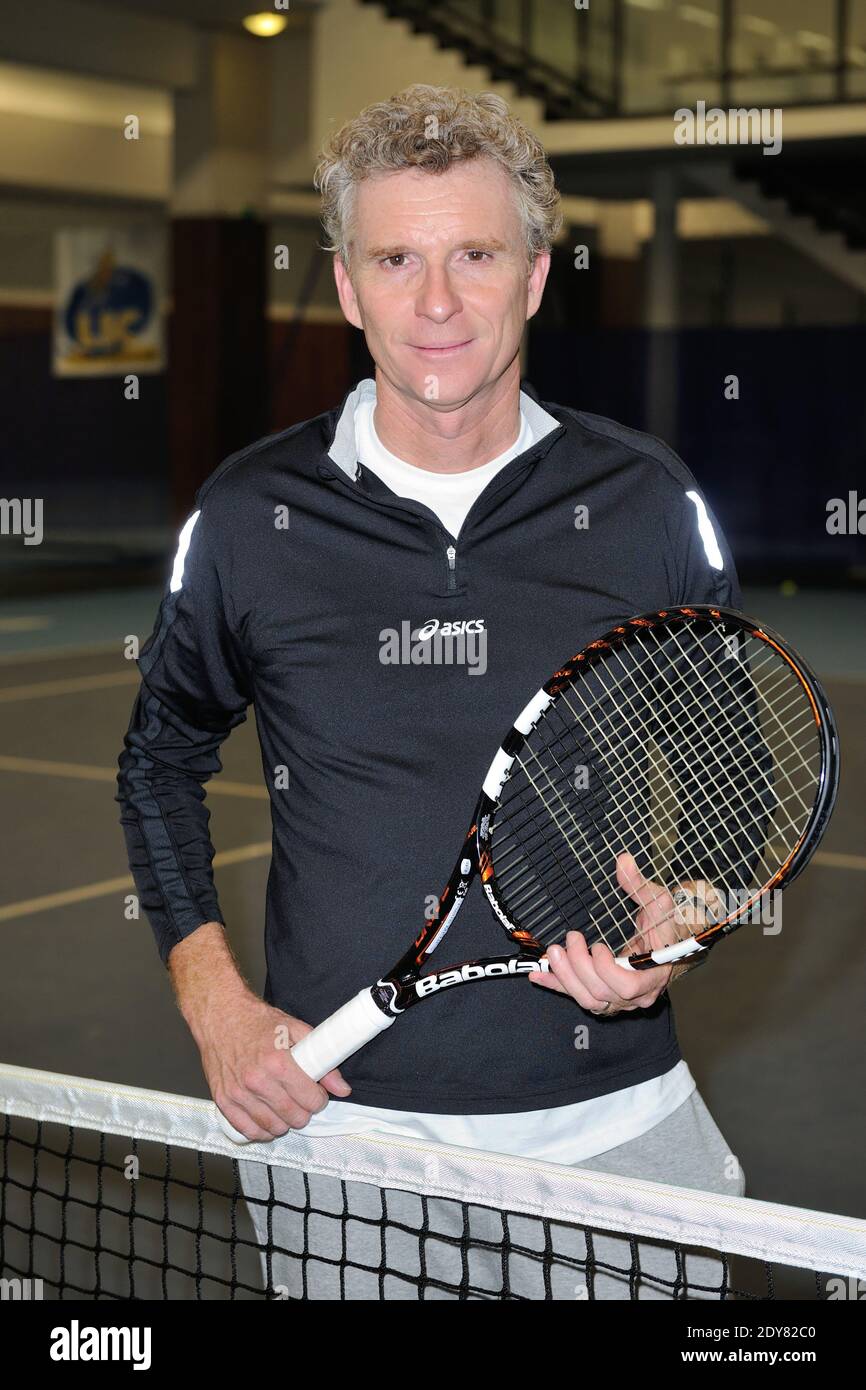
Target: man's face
{"x": 439, "y": 279}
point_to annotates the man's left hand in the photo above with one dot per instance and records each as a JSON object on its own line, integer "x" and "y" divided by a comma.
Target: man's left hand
{"x": 590, "y": 974}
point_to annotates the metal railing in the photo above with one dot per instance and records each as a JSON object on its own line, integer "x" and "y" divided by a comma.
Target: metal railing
{"x": 646, "y": 57}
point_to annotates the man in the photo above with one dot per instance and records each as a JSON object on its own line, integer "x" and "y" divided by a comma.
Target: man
{"x": 440, "y": 492}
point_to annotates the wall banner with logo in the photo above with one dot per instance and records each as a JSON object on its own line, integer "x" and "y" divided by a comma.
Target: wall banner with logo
{"x": 109, "y": 301}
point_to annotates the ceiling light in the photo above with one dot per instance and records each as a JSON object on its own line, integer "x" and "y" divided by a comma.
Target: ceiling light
{"x": 265, "y": 25}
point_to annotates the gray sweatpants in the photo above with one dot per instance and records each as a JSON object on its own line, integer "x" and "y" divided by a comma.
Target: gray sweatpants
{"x": 377, "y": 1253}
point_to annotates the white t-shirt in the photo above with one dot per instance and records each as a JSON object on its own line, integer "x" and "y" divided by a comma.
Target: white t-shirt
{"x": 564, "y": 1133}
{"x": 449, "y": 495}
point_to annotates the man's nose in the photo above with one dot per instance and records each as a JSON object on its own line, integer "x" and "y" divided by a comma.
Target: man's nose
{"x": 437, "y": 296}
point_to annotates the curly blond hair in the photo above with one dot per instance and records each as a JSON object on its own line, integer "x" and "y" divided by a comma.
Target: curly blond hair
{"x": 432, "y": 128}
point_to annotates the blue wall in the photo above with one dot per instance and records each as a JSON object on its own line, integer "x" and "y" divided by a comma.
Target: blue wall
{"x": 768, "y": 462}
{"x": 97, "y": 460}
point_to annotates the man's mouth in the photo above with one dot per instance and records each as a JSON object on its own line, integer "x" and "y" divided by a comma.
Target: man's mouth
{"x": 441, "y": 349}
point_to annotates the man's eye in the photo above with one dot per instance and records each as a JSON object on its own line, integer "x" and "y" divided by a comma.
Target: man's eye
{"x": 389, "y": 261}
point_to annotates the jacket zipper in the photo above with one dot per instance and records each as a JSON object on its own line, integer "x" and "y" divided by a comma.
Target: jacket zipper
{"x": 451, "y": 555}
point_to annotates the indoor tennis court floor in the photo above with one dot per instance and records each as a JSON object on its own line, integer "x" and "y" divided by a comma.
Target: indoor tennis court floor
{"x": 773, "y": 1030}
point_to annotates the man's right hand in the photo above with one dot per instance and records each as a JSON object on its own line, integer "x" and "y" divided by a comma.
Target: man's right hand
{"x": 244, "y": 1042}
{"x": 252, "y": 1077}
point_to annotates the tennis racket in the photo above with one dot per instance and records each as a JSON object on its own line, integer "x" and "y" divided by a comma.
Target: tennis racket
{"x": 693, "y": 739}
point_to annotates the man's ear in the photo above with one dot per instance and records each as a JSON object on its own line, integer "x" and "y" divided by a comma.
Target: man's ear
{"x": 537, "y": 280}
{"x": 346, "y": 292}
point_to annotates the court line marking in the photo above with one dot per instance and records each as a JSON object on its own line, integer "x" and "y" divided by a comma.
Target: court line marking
{"x": 87, "y": 773}
{"x": 24, "y": 622}
{"x": 58, "y": 653}
{"x": 244, "y": 854}
{"x": 88, "y": 892}
{"x": 71, "y": 685}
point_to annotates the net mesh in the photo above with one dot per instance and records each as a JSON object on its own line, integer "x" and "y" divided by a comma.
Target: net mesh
{"x": 112, "y": 1192}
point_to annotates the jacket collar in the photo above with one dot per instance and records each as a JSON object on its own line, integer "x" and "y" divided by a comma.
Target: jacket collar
{"x": 345, "y": 455}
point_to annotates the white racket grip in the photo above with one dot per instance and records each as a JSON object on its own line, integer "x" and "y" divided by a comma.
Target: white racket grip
{"x": 337, "y": 1037}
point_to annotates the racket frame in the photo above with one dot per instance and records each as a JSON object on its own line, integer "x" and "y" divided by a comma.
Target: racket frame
{"x": 406, "y": 982}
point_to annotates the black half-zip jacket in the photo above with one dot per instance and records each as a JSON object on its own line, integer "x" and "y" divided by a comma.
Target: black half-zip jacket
{"x": 291, "y": 591}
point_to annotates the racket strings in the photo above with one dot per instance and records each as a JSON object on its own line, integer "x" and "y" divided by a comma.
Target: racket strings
{"x": 772, "y": 661}
{"x": 767, "y": 764}
{"x": 733, "y": 785}
{"x": 633, "y": 840}
{"x": 717, "y": 786}
{"x": 532, "y": 912}
{"x": 640, "y": 667}
{"x": 538, "y": 855}
{"x": 738, "y": 840}
{"x": 611, "y": 696}
{"x": 722, "y": 785}
{"x": 568, "y": 809}
{"x": 681, "y": 710}
{"x": 524, "y": 869}
{"x": 529, "y": 896}
{"x": 769, "y": 707}
{"x": 532, "y": 892}
{"x": 558, "y": 868}
{"x": 534, "y": 872}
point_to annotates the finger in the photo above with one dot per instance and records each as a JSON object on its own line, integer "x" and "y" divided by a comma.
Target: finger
{"x": 296, "y": 1084}
{"x": 637, "y": 987}
{"x": 241, "y": 1121}
{"x": 256, "y": 1119}
{"x": 569, "y": 967}
{"x": 653, "y": 898}
{"x": 583, "y": 964}
{"x": 337, "y": 1084}
{"x": 290, "y": 1095}
{"x": 302, "y": 1090}
{"x": 547, "y": 980}
{"x": 702, "y": 907}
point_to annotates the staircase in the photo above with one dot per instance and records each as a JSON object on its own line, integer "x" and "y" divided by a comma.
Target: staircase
{"x": 828, "y": 189}
{"x": 817, "y": 206}
{"x": 507, "y": 41}
{"x": 571, "y": 60}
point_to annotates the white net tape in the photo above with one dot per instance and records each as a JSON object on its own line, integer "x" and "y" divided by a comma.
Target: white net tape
{"x": 785, "y": 1235}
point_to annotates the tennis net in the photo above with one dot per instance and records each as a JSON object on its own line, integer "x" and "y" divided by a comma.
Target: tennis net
{"x": 110, "y": 1191}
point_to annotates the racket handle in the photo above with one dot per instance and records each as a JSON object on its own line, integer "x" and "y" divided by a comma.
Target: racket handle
{"x": 337, "y": 1037}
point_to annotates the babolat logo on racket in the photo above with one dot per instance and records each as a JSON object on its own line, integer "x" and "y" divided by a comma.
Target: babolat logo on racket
{"x": 466, "y": 973}
{"x": 462, "y": 642}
